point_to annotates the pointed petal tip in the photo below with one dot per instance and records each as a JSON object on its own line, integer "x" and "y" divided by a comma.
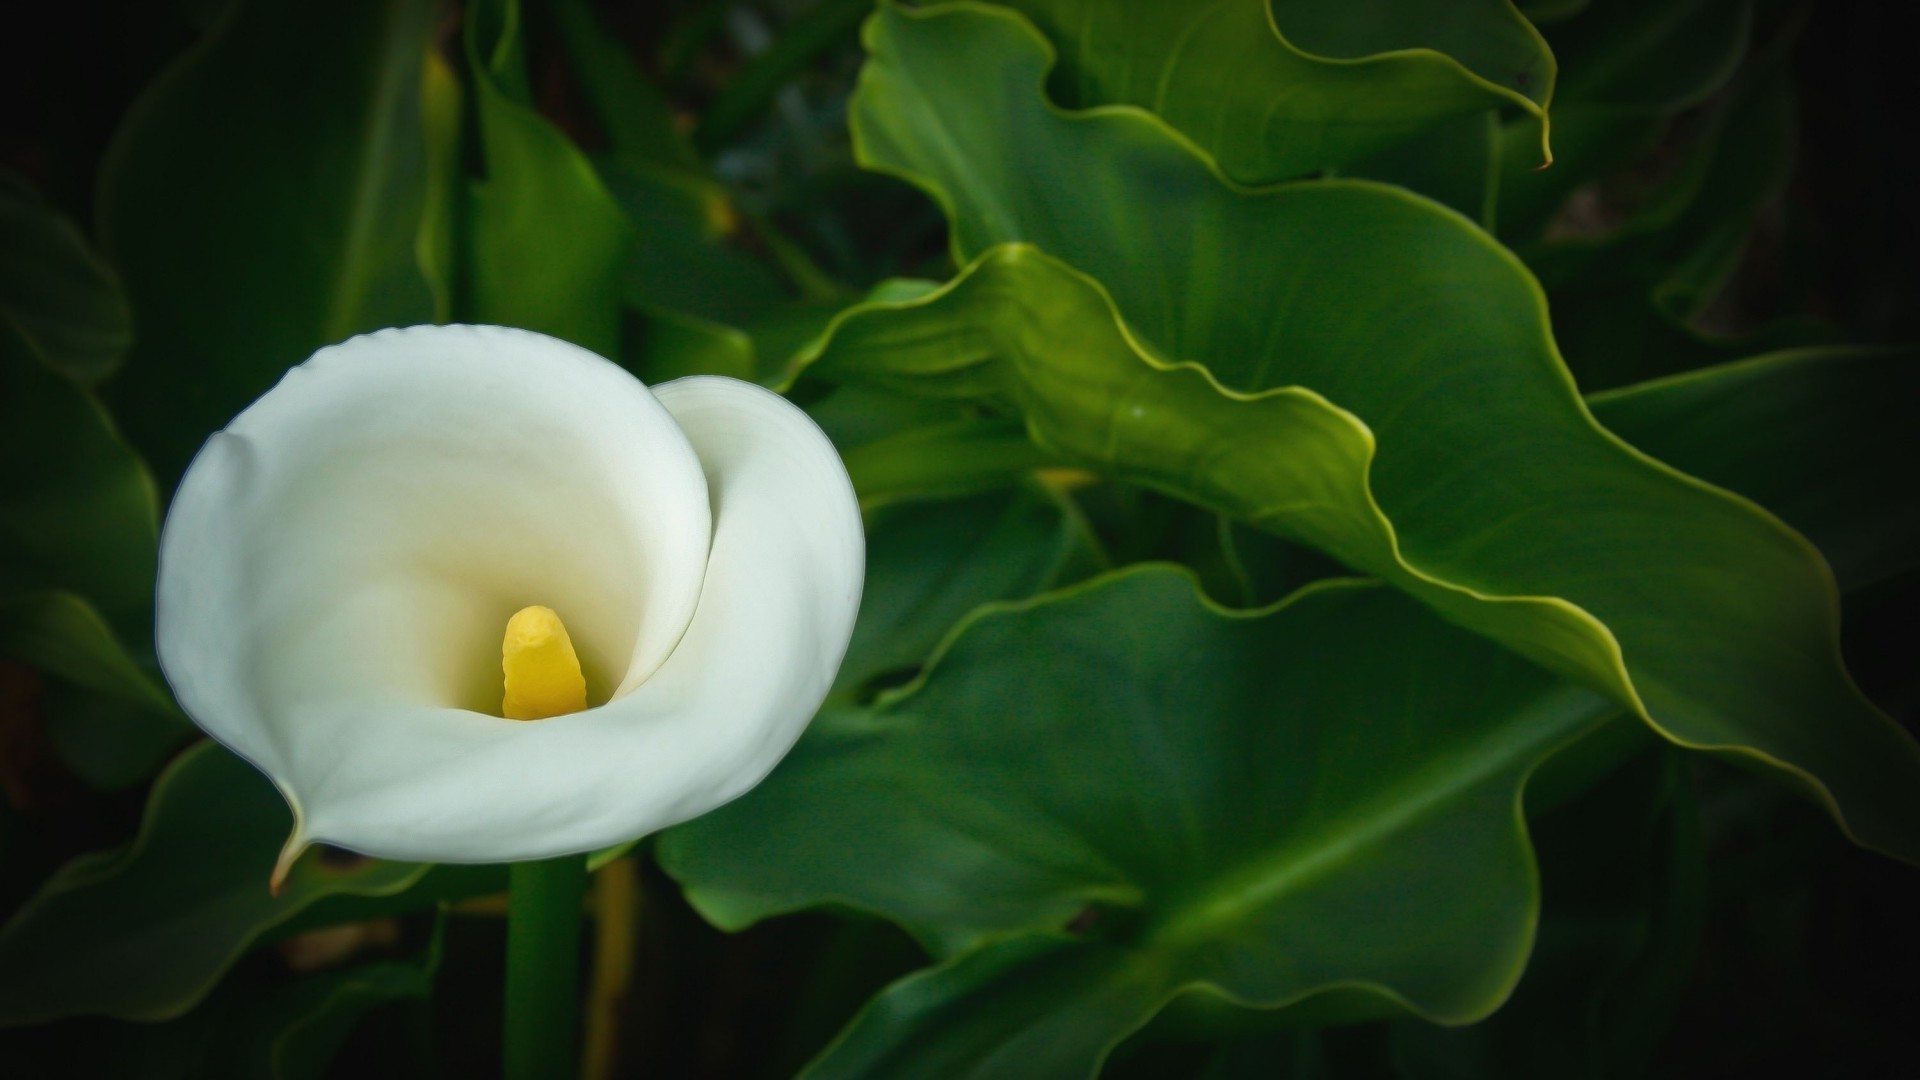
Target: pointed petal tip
{"x": 296, "y": 846}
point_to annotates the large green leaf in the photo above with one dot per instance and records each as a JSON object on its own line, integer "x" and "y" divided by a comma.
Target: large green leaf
{"x": 145, "y": 932}
{"x": 262, "y": 200}
{"x": 55, "y": 290}
{"x": 1822, "y": 437}
{"x": 1379, "y": 381}
{"x": 1279, "y": 88}
{"x": 1160, "y": 796}
{"x": 546, "y": 240}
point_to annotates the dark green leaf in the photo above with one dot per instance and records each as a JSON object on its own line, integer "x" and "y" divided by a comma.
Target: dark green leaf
{"x": 1493, "y": 496}
{"x": 1626, "y": 68}
{"x": 1623, "y": 878}
{"x": 546, "y": 239}
{"x": 77, "y": 535}
{"x": 1309, "y": 85}
{"x": 144, "y": 932}
{"x": 1264, "y": 805}
{"x": 929, "y": 563}
{"x": 55, "y": 291}
{"x": 1822, "y": 437}
{"x": 263, "y": 199}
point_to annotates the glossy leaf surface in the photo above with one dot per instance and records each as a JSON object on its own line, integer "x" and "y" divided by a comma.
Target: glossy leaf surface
{"x": 1267, "y": 804}
{"x": 1357, "y": 397}
{"x": 1276, "y": 90}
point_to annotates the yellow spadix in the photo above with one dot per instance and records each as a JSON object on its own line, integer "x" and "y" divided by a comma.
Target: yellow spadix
{"x": 543, "y": 672}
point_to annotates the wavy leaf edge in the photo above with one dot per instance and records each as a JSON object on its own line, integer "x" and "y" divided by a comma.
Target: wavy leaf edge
{"x": 1625, "y": 689}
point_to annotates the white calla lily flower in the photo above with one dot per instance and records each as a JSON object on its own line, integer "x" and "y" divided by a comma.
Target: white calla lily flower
{"x": 339, "y": 565}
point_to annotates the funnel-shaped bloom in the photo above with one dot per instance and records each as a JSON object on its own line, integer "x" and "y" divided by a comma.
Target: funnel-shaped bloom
{"x": 339, "y": 564}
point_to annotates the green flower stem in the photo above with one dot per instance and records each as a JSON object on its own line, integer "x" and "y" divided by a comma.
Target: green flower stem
{"x": 540, "y": 1040}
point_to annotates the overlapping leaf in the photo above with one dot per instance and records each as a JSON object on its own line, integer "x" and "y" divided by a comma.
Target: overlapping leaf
{"x": 547, "y": 239}
{"x": 1153, "y": 795}
{"x": 931, "y": 562}
{"x": 145, "y": 932}
{"x": 1626, "y": 68}
{"x": 55, "y": 291}
{"x": 1821, "y": 437}
{"x": 1279, "y": 88}
{"x": 77, "y": 535}
{"x": 1492, "y": 496}
{"x": 263, "y": 200}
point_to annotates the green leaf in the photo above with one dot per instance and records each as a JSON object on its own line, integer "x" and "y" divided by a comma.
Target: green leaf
{"x": 113, "y": 741}
{"x": 1624, "y": 896}
{"x": 1261, "y": 806}
{"x": 1430, "y": 345}
{"x": 145, "y": 932}
{"x": 1822, "y": 437}
{"x": 1625, "y": 300}
{"x": 681, "y": 258}
{"x": 79, "y": 508}
{"x": 953, "y": 458}
{"x": 1456, "y": 164}
{"x": 546, "y": 239}
{"x": 637, "y": 118}
{"x": 77, "y": 535}
{"x": 55, "y": 291}
{"x": 63, "y": 635}
{"x": 1626, "y": 68}
{"x": 929, "y": 563}
{"x": 262, "y": 200}
{"x": 1305, "y": 86}
{"x": 811, "y": 32}
{"x": 295, "y": 1034}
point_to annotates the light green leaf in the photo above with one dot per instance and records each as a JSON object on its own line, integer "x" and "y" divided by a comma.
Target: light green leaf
{"x": 261, "y": 200}
{"x": 145, "y": 932}
{"x": 546, "y": 239}
{"x": 952, "y": 458}
{"x": 1822, "y": 437}
{"x": 1378, "y": 382}
{"x": 1305, "y": 86}
{"x": 1159, "y": 796}
{"x": 55, "y": 291}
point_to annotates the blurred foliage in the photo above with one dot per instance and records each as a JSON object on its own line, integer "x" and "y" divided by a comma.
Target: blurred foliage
{"x": 1144, "y": 329}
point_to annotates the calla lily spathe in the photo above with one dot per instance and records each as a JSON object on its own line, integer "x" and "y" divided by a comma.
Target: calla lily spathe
{"x": 339, "y": 562}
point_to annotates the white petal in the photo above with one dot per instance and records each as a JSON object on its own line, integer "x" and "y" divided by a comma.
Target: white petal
{"x": 782, "y": 588}
{"x": 338, "y": 565}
